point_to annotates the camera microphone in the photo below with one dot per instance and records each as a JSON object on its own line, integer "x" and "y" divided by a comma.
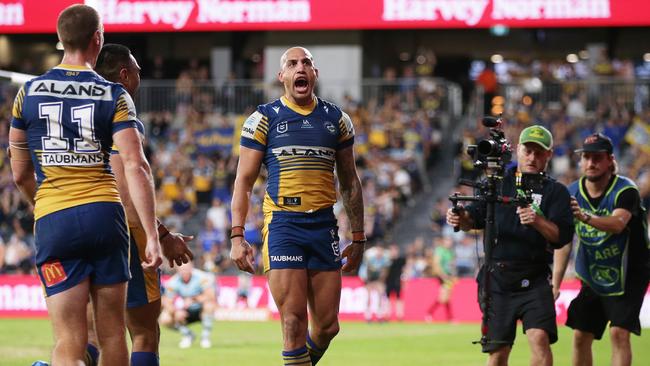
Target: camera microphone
{"x": 489, "y": 121}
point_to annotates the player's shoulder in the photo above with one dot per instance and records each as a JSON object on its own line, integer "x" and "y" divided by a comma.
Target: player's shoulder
{"x": 626, "y": 182}
{"x": 329, "y": 108}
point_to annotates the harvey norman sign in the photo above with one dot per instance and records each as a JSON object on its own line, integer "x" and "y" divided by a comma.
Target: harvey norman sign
{"x": 37, "y": 16}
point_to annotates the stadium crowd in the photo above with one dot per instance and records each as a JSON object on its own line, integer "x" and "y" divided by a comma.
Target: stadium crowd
{"x": 192, "y": 138}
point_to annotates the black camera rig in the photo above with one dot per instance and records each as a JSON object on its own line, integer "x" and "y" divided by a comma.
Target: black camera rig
{"x": 492, "y": 155}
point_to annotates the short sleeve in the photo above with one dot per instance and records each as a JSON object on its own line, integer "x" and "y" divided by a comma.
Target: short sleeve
{"x": 346, "y": 132}
{"x": 125, "y": 114}
{"x": 254, "y": 131}
{"x": 17, "y": 120}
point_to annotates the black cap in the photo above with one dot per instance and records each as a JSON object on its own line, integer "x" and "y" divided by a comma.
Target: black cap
{"x": 597, "y": 142}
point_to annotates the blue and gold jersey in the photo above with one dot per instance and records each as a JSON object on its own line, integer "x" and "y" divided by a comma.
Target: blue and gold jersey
{"x": 300, "y": 145}
{"x": 70, "y": 115}
{"x": 140, "y": 126}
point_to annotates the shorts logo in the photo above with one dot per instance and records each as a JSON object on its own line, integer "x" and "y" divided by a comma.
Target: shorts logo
{"x": 53, "y": 273}
{"x": 286, "y": 258}
{"x": 336, "y": 249}
{"x": 283, "y": 127}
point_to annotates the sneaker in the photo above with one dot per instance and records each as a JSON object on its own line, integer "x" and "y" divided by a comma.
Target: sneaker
{"x": 40, "y": 363}
{"x": 206, "y": 343}
{"x": 186, "y": 342}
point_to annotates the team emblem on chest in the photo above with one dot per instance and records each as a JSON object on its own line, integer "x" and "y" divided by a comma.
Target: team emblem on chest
{"x": 283, "y": 127}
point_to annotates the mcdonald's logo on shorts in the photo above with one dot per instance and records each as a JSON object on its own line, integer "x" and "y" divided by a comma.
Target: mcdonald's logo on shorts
{"x": 53, "y": 273}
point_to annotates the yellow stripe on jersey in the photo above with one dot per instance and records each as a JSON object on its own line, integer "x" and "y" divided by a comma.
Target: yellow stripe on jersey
{"x": 319, "y": 194}
{"x": 17, "y": 111}
{"x": 69, "y": 186}
{"x": 265, "y": 240}
{"x": 151, "y": 280}
{"x": 300, "y": 109}
{"x": 124, "y": 109}
{"x": 346, "y": 128}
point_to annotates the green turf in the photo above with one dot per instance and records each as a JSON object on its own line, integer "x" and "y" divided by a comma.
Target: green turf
{"x": 359, "y": 344}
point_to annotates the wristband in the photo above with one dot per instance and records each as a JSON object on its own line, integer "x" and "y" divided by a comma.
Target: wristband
{"x": 358, "y": 235}
{"x": 162, "y": 231}
{"x": 236, "y": 236}
{"x": 364, "y": 241}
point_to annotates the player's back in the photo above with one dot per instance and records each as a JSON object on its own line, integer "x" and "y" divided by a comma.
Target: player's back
{"x": 70, "y": 114}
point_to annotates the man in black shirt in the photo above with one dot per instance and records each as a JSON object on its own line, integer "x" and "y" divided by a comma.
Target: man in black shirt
{"x": 394, "y": 282}
{"x": 612, "y": 258}
{"x": 519, "y": 275}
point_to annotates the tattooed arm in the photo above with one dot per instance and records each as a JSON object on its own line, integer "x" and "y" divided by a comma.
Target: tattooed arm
{"x": 350, "y": 187}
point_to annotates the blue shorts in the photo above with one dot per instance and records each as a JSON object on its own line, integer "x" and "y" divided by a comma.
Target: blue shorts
{"x": 144, "y": 286}
{"x": 301, "y": 241}
{"x": 89, "y": 240}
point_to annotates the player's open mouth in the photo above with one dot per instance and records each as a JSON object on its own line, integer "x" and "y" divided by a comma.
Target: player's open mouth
{"x": 301, "y": 85}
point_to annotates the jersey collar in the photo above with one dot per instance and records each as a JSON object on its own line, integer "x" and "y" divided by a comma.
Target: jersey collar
{"x": 304, "y": 110}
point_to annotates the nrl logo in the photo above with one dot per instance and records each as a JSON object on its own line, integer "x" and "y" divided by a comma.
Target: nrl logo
{"x": 283, "y": 127}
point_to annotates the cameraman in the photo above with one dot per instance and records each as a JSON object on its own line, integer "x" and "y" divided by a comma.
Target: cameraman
{"x": 518, "y": 277}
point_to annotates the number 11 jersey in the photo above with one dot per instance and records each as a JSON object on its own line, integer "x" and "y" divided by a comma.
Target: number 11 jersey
{"x": 70, "y": 114}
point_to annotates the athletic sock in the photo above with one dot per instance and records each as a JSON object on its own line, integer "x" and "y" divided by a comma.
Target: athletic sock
{"x": 92, "y": 355}
{"x": 185, "y": 331}
{"x": 206, "y": 323}
{"x": 144, "y": 359}
{"x": 297, "y": 357}
{"x": 315, "y": 352}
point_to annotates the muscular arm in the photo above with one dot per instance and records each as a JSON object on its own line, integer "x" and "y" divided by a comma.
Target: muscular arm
{"x": 22, "y": 167}
{"x": 140, "y": 187}
{"x": 123, "y": 188}
{"x": 350, "y": 187}
{"x": 250, "y": 162}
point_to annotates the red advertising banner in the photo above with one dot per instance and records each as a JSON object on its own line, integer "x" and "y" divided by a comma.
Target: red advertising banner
{"x": 22, "y": 296}
{"x": 37, "y": 16}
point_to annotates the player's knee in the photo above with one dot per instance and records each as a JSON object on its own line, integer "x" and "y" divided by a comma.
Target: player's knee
{"x": 619, "y": 335}
{"x": 146, "y": 340}
{"x": 500, "y": 356}
{"x": 538, "y": 338}
{"x": 582, "y": 339}
{"x": 293, "y": 324}
{"x": 329, "y": 331}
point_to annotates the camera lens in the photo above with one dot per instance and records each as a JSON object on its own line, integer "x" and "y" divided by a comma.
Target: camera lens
{"x": 487, "y": 147}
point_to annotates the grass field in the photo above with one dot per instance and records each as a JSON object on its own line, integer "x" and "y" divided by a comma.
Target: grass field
{"x": 252, "y": 344}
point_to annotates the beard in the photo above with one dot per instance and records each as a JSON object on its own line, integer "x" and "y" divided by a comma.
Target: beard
{"x": 596, "y": 178}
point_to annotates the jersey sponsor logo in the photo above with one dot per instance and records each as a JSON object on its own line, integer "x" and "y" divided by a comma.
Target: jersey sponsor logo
{"x": 250, "y": 125}
{"x": 291, "y": 201}
{"x": 307, "y": 151}
{"x": 70, "y": 89}
{"x": 306, "y": 124}
{"x": 283, "y": 127}
{"x": 71, "y": 159}
{"x": 286, "y": 258}
{"x": 53, "y": 273}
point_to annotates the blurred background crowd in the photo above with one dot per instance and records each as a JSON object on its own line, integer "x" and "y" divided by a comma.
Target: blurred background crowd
{"x": 412, "y": 132}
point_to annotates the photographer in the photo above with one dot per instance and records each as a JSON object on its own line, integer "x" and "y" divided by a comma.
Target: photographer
{"x": 518, "y": 277}
{"x": 612, "y": 258}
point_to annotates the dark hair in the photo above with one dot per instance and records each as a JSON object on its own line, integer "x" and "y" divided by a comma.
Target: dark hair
{"x": 112, "y": 58}
{"x": 76, "y": 26}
